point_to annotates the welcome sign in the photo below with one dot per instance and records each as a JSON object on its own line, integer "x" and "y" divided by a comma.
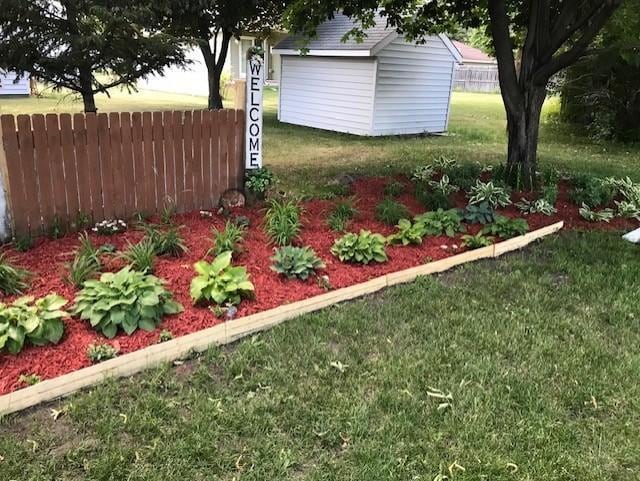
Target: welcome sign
{"x": 255, "y": 84}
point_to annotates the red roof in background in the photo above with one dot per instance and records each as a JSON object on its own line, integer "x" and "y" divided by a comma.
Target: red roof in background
{"x": 472, "y": 54}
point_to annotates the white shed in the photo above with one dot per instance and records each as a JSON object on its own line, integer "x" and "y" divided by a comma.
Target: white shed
{"x": 10, "y": 86}
{"x": 383, "y": 85}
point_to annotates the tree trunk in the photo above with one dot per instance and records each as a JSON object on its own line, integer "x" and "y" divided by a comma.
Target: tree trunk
{"x": 86, "y": 91}
{"x": 523, "y": 125}
{"x": 215, "y": 98}
{"x": 215, "y": 61}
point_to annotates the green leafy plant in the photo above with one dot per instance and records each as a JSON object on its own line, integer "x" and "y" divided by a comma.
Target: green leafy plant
{"x": 282, "y": 221}
{"x": 38, "y": 322}
{"x": 592, "y": 191}
{"x": 538, "y": 206}
{"x": 444, "y": 186}
{"x": 432, "y": 199}
{"x": 390, "y": 212}
{"x": 394, "y": 189}
{"x": 604, "y": 215}
{"x": 220, "y": 282}
{"x": 408, "y": 233}
{"x": 127, "y": 300}
{"x": 56, "y": 228}
{"x": 493, "y": 194}
{"x": 443, "y": 162}
{"x": 165, "y": 336}
{"x": 140, "y": 256}
{"x": 506, "y": 228}
{"x": 481, "y": 213}
{"x": 165, "y": 242}
{"x": 167, "y": 213}
{"x": 362, "y": 248}
{"x": 296, "y": 262}
{"x": 422, "y": 173}
{"x": 549, "y": 193}
{"x": 441, "y": 222}
{"x": 464, "y": 175}
{"x": 29, "y": 379}
{"x": 23, "y": 243}
{"x": 259, "y": 181}
{"x": 628, "y": 209}
{"x": 86, "y": 261}
{"x": 229, "y": 239}
{"x": 13, "y": 280}
{"x": 101, "y": 352}
{"x": 476, "y": 241}
{"x": 341, "y": 215}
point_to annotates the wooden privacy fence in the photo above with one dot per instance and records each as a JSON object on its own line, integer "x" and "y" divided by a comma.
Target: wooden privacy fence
{"x": 58, "y": 167}
{"x": 477, "y": 79}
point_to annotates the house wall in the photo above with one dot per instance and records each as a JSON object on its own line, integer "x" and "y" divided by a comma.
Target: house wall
{"x": 413, "y": 88}
{"x": 332, "y": 93}
{"x": 8, "y": 87}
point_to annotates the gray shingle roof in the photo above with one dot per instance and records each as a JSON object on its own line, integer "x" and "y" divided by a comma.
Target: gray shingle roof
{"x": 330, "y": 35}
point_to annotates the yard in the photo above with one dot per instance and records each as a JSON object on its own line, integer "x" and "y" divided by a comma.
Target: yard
{"x": 515, "y": 369}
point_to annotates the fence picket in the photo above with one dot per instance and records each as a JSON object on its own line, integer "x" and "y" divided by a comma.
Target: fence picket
{"x": 27, "y": 166}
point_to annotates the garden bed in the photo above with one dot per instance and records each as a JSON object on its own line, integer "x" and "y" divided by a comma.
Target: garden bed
{"x": 46, "y": 260}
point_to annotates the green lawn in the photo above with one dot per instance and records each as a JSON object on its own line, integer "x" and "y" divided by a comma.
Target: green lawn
{"x": 535, "y": 354}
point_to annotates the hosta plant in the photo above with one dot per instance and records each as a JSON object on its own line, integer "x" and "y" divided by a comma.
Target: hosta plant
{"x": 126, "y": 300}
{"x": 220, "y": 282}
{"x": 538, "y": 206}
{"x": 282, "y": 221}
{"x": 476, "y": 241}
{"x": 489, "y": 192}
{"x": 422, "y": 173}
{"x": 408, "y": 233}
{"x": 296, "y": 262}
{"x": 481, "y": 213}
{"x": 604, "y": 215}
{"x": 593, "y": 191}
{"x": 444, "y": 186}
{"x": 13, "y": 280}
{"x": 506, "y": 228}
{"x": 628, "y": 210}
{"x": 26, "y": 320}
{"x": 443, "y": 162}
{"x": 440, "y": 222}
{"x": 361, "y": 248}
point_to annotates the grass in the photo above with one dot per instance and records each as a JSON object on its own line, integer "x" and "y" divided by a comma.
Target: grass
{"x": 535, "y": 355}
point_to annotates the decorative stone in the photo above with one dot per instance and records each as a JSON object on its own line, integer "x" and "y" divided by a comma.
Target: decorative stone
{"x": 633, "y": 236}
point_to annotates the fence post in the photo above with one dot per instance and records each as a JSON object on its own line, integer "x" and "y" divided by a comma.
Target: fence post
{"x": 239, "y": 94}
{"x": 5, "y": 195}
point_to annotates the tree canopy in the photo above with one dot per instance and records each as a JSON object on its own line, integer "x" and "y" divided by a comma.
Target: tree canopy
{"x": 87, "y": 46}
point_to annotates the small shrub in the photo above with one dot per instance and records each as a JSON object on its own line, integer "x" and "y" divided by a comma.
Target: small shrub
{"x": 259, "y": 181}
{"x": 220, "y": 282}
{"x": 29, "y": 379}
{"x": 408, "y": 233}
{"x": 165, "y": 242}
{"x": 604, "y": 215}
{"x": 444, "y": 186}
{"x": 390, "y": 212}
{"x": 341, "y": 215}
{"x": 282, "y": 221}
{"x": 440, "y": 222}
{"x": 13, "y": 280}
{"x": 494, "y": 195}
{"x": 165, "y": 336}
{"x": 538, "y": 206}
{"x": 591, "y": 191}
{"x": 127, "y": 300}
{"x": 464, "y": 176}
{"x": 481, "y": 213}
{"x": 362, "y": 248}
{"x": 422, "y": 173}
{"x": 110, "y": 227}
{"x": 38, "y": 322}
{"x": 23, "y": 243}
{"x": 506, "y": 228}
{"x": 296, "y": 262}
{"x": 476, "y": 241}
{"x": 230, "y": 239}
{"x": 394, "y": 189}
{"x": 431, "y": 199}
{"x": 86, "y": 262}
{"x": 101, "y": 352}
{"x": 141, "y": 256}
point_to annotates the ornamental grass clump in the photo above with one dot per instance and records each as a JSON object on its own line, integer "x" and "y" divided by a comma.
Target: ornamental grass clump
{"x": 229, "y": 239}
{"x": 341, "y": 215}
{"x": 282, "y": 222}
{"x": 296, "y": 262}
{"x": 13, "y": 280}
{"x": 37, "y": 322}
{"x": 140, "y": 256}
{"x": 167, "y": 241}
{"x": 86, "y": 261}
{"x": 390, "y": 212}
{"x": 220, "y": 282}
{"x": 127, "y": 300}
{"x": 361, "y": 248}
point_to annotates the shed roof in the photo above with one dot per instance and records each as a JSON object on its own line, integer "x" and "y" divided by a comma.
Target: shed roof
{"x": 328, "y": 41}
{"x": 471, "y": 54}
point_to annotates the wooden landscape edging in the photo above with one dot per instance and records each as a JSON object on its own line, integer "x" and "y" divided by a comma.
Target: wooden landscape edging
{"x": 231, "y": 331}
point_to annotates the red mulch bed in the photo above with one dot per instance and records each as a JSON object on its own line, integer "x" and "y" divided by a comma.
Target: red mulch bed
{"x": 47, "y": 260}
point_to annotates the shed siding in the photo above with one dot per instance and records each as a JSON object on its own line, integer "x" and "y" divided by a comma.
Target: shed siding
{"x": 8, "y": 87}
{"x": 328, "y": 93}
{"x": 413, "y": 88}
